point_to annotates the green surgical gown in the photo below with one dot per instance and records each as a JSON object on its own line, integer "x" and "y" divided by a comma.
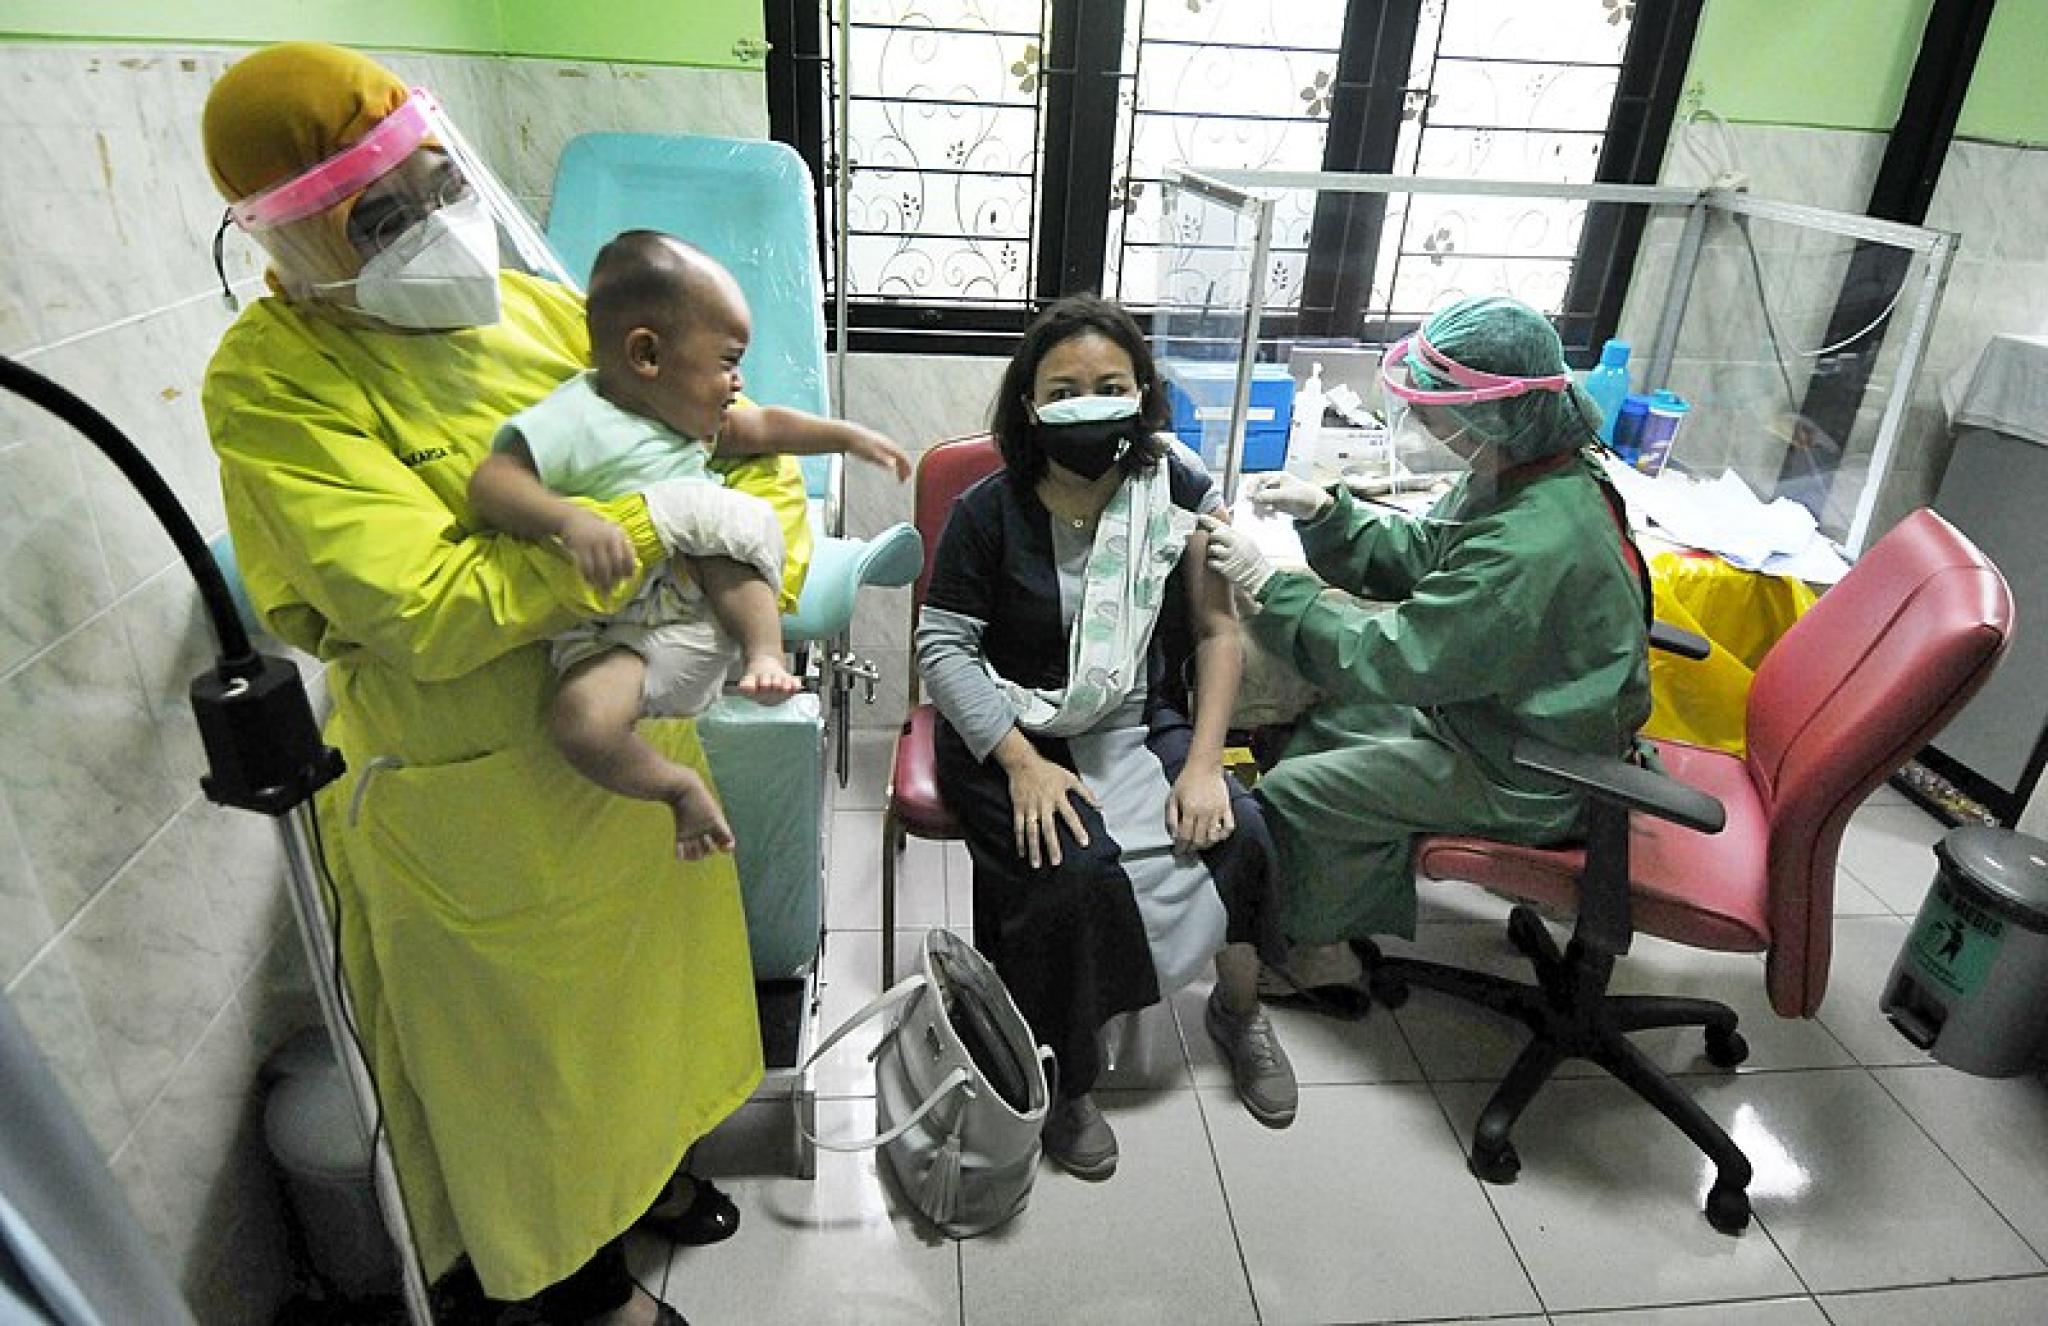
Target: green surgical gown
{"x": 1509, "y": 609}
{"x": 553, "y": 1006}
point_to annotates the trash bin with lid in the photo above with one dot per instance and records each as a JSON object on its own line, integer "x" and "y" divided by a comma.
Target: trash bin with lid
{"x": 1971, "y": 984}
{"x": 311, "y": 1126}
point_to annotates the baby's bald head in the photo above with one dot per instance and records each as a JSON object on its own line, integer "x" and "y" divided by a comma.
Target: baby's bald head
{"x": 645, "y": 279}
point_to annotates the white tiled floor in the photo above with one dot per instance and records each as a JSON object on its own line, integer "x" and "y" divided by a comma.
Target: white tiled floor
{"x": 1889, "y": 1188}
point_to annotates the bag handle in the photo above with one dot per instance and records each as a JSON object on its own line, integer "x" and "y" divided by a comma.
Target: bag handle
{"x": 956, "y": 1078}
{"x": 881, "y": 1003}
{"x": 889, "y": 999}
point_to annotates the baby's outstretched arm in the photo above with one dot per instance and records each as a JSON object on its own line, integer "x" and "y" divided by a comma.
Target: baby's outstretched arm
{"x": 506, "y": 494}
{"x": 774, "y": 429}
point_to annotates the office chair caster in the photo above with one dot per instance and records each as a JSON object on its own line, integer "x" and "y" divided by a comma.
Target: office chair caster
{"x": 1728, "y": 1208}
{"x": 1498, "y": 1163}
{"x": 1725, "y": 1047}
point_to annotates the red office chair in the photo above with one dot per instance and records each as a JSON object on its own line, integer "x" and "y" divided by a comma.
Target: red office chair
{"x": 943, "y": 473}
{"x": 1861, "y": 682}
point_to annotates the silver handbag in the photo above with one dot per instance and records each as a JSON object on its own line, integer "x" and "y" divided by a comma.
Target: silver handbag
{"x": 960, "y": 1090}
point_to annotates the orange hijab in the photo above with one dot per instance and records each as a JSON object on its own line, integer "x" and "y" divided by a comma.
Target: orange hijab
{"x": 286, "y": 108}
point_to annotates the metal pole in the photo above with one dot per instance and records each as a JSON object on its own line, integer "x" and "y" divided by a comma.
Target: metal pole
{"x": 309, "y": 912}
{"x": 1684, "y": 266}
{"x": 842, "y": 190}
{"x": 1261, "y": 210}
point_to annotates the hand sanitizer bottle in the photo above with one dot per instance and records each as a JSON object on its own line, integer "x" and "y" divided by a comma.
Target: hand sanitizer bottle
{"x": 1305, "y": 426}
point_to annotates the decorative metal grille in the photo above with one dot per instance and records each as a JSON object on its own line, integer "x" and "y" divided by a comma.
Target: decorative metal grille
{"x": 947, "y": 112}
{"x": 945, "y": 104}
{"x": 1519, "y": 89}
{"x": 1226, "y": 84}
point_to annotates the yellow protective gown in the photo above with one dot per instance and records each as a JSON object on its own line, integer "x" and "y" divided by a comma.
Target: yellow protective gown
{"x": 553, "y": 1006}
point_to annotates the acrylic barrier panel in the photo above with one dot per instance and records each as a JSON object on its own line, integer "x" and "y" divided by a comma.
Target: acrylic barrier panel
{"x": 1206, "y": 283}
{"x": 1792, "y": 356}
{"x": 1784, "y": 338}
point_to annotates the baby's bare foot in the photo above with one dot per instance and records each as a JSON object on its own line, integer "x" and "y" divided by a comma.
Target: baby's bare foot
{"x": 701, "y": 829}
{"x": 767, "y": 681}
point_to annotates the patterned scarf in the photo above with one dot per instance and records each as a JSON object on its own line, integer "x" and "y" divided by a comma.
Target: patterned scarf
{"x": 1138, "y": 542}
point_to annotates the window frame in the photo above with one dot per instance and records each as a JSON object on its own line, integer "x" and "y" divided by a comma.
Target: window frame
{"x": 1081, "y": 86}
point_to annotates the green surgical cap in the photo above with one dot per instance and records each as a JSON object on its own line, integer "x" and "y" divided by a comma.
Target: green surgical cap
{"x": 1499, "y": 335}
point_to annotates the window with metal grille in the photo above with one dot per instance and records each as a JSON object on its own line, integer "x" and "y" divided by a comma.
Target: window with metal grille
{"x": 1003, "y": 152}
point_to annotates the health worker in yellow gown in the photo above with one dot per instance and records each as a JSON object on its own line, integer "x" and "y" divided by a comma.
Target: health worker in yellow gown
{"x": 554, "y": 1007}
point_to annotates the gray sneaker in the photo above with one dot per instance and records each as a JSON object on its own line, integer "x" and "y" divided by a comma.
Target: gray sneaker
{"x": 1265, "y": 1080}
{"x": 1078, "y": 1138}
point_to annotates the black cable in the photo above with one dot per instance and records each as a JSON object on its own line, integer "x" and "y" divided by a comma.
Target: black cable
{"x": 348, "y": 1019}
{"x": 1800, "y": 441}
{"x": 237, "y": 657}
{"x": 1763, "y": 299}
{"x": 220, "y": 267}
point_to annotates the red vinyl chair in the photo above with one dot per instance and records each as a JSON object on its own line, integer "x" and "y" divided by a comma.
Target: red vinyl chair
{"x": 1859, "y": 684}
{"x": 914, "y": 807}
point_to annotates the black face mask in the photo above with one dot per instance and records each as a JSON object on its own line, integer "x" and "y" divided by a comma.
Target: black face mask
{"x": 1089, "y": 448}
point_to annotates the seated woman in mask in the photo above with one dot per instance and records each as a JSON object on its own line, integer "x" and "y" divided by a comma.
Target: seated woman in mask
{"x": 1113, "y": 857}
{"x": 1517, "y": 605}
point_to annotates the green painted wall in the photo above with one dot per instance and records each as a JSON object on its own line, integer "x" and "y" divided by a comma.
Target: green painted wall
{"x": 2007, "y": 101}
{"x": 1830, "y": 64}
{"x": 647, "y": 31}
{"x": 687, "y": 32}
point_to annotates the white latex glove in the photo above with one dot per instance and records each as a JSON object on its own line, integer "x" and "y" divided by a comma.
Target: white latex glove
{"x": 1234, "y": 556}
{"x": 1288, "y": 495}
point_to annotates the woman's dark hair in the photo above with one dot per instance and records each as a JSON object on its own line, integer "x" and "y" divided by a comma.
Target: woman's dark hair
{"x": 1071, "y": 316}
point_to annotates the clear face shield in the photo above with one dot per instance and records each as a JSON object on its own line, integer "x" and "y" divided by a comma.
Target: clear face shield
{"x": 1424, "y": 434}
{"x": 406, "y": 225}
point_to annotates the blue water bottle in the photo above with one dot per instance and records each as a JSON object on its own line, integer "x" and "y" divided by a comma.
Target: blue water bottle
{"x": 1607, "y": 384}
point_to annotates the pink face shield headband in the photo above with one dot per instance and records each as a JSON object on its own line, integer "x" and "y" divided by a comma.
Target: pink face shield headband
{"x": 1479, "y": 386}
{"x": 346, "y": 173}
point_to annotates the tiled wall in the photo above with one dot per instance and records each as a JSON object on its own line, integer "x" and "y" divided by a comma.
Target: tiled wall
{"x": 144, "y": 935}
{"x": 917, "y": 400}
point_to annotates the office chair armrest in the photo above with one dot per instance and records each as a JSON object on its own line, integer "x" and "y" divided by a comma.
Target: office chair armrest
{"x": 1677, "y": 640}
{"x": 1619, "y": 783}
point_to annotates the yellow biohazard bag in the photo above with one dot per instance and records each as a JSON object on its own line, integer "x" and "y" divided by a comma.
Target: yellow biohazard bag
{"x": 1741, "y": 614}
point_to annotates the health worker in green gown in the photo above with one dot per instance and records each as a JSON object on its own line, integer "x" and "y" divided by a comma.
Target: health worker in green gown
{"x": 1515, "y": 606}
{"x": 554, "y": 1007}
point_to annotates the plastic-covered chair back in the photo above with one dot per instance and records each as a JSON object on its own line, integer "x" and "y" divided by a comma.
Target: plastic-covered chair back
{"x": 1859, "y": 684}
{"x": 747, "y": 204}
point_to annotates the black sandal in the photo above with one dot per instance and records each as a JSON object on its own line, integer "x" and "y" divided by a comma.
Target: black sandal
{"x": 711, "y": 1217}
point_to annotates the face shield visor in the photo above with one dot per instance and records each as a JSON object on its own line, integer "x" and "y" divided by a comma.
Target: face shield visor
{"x": 1431, "y": 426}
{"x": 406, "y": 225}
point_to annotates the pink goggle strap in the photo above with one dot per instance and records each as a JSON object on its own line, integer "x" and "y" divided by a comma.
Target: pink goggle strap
{"x": 346, "y": 173}
{"x": 1481, "y": 385}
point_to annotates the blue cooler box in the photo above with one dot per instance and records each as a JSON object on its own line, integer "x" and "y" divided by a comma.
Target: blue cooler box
{"x": 1200, "y": 394}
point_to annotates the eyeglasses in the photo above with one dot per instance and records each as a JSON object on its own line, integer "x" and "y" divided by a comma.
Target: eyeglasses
{"x": 402, "y": 199}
